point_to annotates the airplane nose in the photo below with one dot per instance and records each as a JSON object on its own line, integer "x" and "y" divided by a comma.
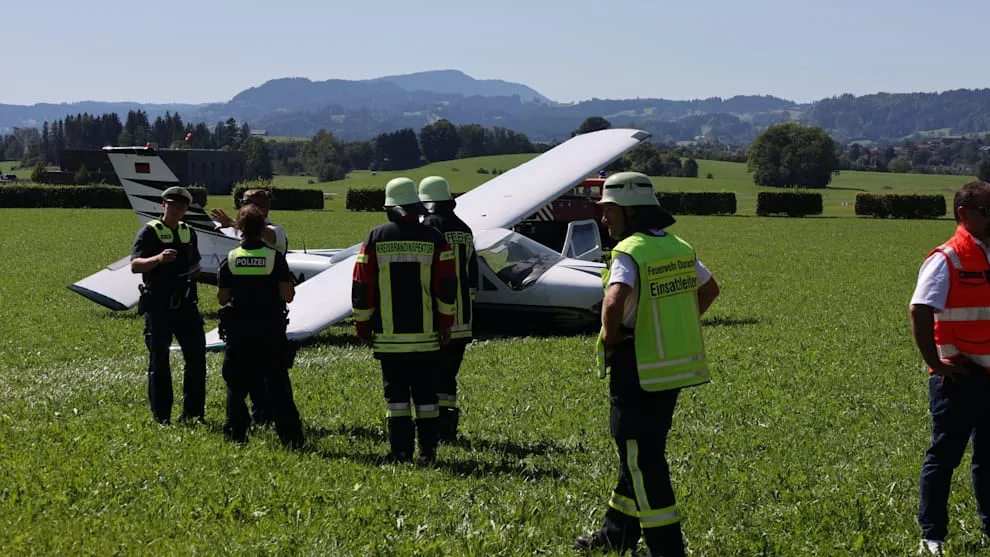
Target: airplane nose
{"x": 577, "y": 285}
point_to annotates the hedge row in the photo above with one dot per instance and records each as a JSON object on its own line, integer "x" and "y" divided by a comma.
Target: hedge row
{"x": 900, "y": 206}
{"x": 94, "y": 197}
{"x": 788, "y": 203}
{"x": 286, "y": 199}
{"x": 369, "y": 199}
{"x": 698, "y": 203}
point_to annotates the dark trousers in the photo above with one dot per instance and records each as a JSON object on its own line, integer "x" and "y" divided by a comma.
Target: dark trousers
{"x": 186, "y": 324}
{"x": 256, "y": 363}
{"x": 448, "y": 365}
{"x": 643, "y": 499}
{"x": 960, "y": 410}
{"x": 410, "y": 390}
{"x": 261, "y": 412}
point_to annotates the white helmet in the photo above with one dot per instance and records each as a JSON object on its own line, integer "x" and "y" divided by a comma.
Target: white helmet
{"x": 629, "y": 189}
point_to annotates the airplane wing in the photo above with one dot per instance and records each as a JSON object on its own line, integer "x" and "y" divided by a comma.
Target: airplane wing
{"x": 501, "y": 202}
{"x": 114, "y": 287}
{"x": 320, "y": 302}
{"x": 507, "y": 199}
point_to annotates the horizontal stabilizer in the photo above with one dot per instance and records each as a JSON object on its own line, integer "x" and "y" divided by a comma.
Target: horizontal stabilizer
{"x": 114, "y": 287}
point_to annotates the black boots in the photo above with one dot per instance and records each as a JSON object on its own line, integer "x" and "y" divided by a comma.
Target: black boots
{"x": 607, "y": 540}
{"x": 448, "y": 424}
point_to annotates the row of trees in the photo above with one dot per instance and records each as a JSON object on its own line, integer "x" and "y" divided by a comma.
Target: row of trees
{"x": 790, "y": 154}
{"x": 323, "y": 155}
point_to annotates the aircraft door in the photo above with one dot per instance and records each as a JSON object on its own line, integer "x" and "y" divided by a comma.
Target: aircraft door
{"x": 583, "y": 241}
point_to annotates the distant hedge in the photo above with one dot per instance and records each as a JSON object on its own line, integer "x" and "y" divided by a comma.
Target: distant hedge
{"x": 788, "y": 203}
{"x": 286, "y": 199}
{"x": 74, "y": 197}
{"x": 369, "y": 199}
{"x": 900, "y": 206}
{"x": 364, "y": 199}
{"x": 698, "y": 203}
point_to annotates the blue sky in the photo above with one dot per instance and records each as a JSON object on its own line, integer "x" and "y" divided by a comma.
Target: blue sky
{"x": 185, "y": 51}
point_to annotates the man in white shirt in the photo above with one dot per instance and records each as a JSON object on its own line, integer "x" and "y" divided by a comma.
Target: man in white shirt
{"x": 274, "y": 236}
{"x": 950, "y": 320}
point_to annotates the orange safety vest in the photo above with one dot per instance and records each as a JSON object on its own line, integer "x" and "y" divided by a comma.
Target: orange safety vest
{"x": 963, "y": 327}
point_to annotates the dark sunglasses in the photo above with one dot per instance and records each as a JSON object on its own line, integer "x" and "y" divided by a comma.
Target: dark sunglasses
{"x": 981, "y": 209}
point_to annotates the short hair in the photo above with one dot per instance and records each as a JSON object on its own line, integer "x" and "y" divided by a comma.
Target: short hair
{"x": 967, "y": 192}
{"x": 250, "y": 221}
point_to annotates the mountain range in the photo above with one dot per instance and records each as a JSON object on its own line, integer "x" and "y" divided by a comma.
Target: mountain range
{"x": 362, "y": 109}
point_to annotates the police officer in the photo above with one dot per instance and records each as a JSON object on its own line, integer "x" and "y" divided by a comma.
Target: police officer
{"x": 950, "y": 319}
{"x": 403, "y": 300}
{"x": 655, "y": 292}
{"x": 434, "y": 192}
{"x": 274, "y": 237}
{"x": 255, "y": 281}
{"x": 166, "y": 255}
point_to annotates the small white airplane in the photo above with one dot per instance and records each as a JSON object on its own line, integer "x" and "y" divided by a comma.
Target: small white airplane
{"x": 522, "y": 281}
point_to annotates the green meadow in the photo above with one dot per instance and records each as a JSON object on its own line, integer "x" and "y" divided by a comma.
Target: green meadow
{"x": 808, "y": 441}
{"x": 838, "y": 199}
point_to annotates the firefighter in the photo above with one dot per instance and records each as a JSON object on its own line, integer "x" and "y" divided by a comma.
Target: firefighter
{"x": 274, "y": 237}
{"x": 255, "y": 281}
{"x": 434, "y": 192}
{"x": 403, "y": 299}
{"x": 950, "y": 319}
{"x": 165, "y": 253}
{"x": 655, "y": 293}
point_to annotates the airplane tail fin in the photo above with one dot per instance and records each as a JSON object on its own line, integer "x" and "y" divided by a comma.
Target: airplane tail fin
{"x": 144, "y": 176}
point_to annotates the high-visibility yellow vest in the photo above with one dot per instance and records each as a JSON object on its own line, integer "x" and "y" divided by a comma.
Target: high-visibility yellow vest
{"x": 251, "y": 262}
{"x": 670, "y": 350}
{"x": 165, "y": 235}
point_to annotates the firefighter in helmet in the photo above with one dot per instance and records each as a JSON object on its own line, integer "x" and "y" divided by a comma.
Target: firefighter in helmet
{"x": 434, "y": 192}
{"x": 656, "y": 290}
{"x": 403, "y": 300}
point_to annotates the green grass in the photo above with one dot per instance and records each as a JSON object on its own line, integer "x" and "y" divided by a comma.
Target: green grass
{"x": 808, "y": 441}
{"x": 838, "y": 199}
{"x": 14, "y": 167}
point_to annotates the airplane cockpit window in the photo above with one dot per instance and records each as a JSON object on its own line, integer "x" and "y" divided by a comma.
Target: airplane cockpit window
{"x": 518, "y": 261}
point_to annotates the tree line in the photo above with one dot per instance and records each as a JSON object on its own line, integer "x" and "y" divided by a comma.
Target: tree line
{"x": 324, "y": 156}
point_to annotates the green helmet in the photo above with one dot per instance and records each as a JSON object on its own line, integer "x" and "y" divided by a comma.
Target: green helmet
{"x": 433, "y": 189}
{"x": 400, "y": 192}
{"x": 629, "y": 189}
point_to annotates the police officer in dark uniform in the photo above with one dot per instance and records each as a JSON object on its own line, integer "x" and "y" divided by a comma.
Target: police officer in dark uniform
{"x": 434, "y": 192}
{"x": 274, "y": 237}
{"x": 166, "y": 255}
{"x": 403, "y": 300}
{"x": 256, "y": 283}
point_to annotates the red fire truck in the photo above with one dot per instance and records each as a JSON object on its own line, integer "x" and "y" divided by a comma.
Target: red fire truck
{"x": 549, "y": 224}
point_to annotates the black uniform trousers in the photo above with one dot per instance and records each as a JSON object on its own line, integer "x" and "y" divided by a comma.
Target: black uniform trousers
{"x": 960, "y": 410}
{"x": 185, "y": 323}
{"x": 255, "y": 362}
{"x": 410, "y": 390}
{"x": 643, "y": 499}
{"x": 448, "y": 365}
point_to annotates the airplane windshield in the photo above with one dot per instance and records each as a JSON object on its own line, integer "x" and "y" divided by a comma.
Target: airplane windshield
{"x": 518, "y": 261}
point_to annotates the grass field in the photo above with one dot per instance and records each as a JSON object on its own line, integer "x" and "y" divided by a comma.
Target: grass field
{"x": 808, "y": 441}
{"x": 838, "y": 199}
